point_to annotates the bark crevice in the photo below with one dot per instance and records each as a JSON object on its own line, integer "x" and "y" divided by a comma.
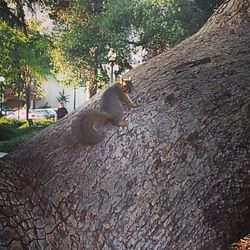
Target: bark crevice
{"x": 176, "y": 178}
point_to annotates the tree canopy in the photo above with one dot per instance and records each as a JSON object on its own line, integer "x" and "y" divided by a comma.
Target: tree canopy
{"x": 24, "y": 53}
{"x": 123, "y": 25}
{"x": 83, "y": 26}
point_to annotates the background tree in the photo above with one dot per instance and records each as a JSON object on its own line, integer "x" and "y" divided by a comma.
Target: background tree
{"x": 176, "y": 178}
{"x": 14, "y": 14}
{"x": 24, "y": 57}
{"x": 124, "y": 25}
{"x": 208, "y": 7}
{"x": 82, "y": 44}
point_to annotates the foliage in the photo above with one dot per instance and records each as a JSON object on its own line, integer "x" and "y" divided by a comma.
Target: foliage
{"x": 11, "y": 41}
{"x": 19, "y": 52}
{"x": 157, "y": 26}
{"x": 208, "y": 7}
{"x": 36, "y": 52}
{"x": 14, "y": 132}
{"x": 62, "y": 97}
{"x": 6, "y": 133}
{"x": 87, "y": 29}
{"x": 12, "y": 123}
{"x": 14, "y": 17}
{"x": 86, "y": 39}
{"x": 123, "y": 25}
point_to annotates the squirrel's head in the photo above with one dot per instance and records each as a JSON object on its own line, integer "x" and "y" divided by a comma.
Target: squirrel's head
{"x": 126, "y": 84}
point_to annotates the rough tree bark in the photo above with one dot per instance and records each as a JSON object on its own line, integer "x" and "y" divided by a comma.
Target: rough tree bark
{"x": 177, "y": 178}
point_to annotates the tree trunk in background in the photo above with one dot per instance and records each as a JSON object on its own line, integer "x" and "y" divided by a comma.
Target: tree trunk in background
{"x": 91, "y": 89}
{"x": 91, "y": 86}
{"x": 27, "y": 82}
{"x": 177, "y": 178}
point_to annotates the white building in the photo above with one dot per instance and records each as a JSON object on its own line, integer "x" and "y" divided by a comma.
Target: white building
{"x": 51, "y": 89}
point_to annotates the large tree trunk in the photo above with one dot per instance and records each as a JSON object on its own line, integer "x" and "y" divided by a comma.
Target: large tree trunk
{"x": 177, "y": 178}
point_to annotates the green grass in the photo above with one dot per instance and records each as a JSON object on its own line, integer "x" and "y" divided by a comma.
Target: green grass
{"x": 14, "y": 132}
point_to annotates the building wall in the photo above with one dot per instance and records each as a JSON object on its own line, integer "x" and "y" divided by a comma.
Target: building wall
{"x": 51, "y": 89}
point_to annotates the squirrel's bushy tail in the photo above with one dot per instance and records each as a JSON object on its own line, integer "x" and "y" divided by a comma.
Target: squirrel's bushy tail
{"x": 87, "y": 127}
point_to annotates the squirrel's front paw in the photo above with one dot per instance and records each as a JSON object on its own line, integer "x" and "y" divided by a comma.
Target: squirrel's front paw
{"x": 123, "y": 123}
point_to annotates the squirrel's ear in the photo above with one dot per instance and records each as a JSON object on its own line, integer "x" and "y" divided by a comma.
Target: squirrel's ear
{"x": 122, "y": 82}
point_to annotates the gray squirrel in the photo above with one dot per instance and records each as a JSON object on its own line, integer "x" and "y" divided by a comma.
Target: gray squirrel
{"x": 88, "y": 125}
